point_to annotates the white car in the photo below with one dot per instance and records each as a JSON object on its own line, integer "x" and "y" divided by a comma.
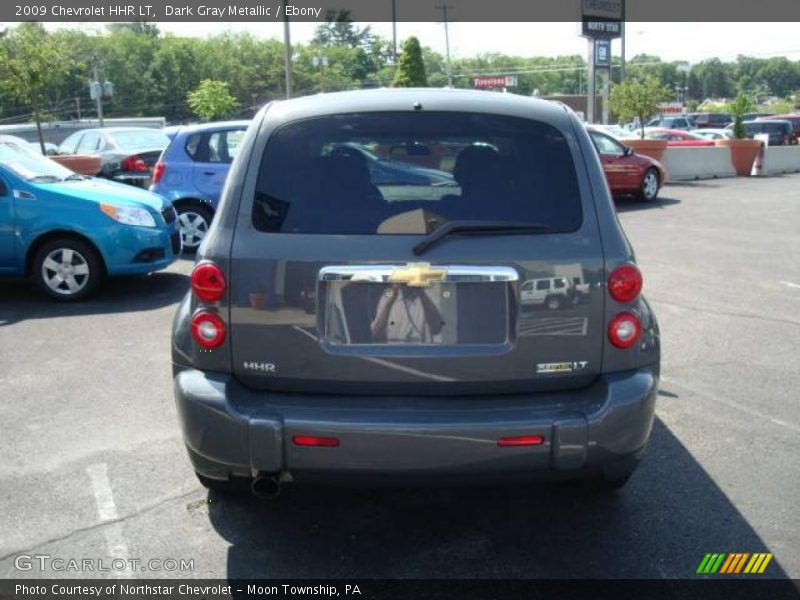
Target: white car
{"x": 615, "y": 131}
{"x": 715, "y": 134}
{"x": 552, "y": 292}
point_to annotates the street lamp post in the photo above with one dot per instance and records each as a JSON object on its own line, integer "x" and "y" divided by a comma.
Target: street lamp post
{"x": 683, "y": 90}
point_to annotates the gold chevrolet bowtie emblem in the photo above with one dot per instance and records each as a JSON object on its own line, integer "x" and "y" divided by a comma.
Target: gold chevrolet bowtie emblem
{"x": 417, "y": 274}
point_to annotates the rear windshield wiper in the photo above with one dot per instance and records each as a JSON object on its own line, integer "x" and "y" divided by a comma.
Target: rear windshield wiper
{"x": 477, "y": 228}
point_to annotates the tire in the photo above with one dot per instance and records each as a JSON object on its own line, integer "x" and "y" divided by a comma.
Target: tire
{"x": 228, "y": 487}
{"x": 553, "y": 302}
{"x": 648, "y": 191}
{"x": 68, "y": 269}
{"x": 193, "y": 223}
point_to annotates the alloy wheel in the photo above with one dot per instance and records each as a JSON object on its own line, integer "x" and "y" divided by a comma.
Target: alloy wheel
{"x": 65, "y": 271}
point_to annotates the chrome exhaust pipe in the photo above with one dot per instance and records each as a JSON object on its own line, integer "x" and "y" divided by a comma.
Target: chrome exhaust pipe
{"x": 266, "y": 486}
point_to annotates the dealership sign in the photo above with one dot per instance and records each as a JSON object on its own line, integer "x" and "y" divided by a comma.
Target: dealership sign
{"x": 602, "y": 53}
{"x": 602, "y": 19}
{"x": 604, "y": 10}
{"x": 495, "y": 81}
{"x": 601, "y": 29}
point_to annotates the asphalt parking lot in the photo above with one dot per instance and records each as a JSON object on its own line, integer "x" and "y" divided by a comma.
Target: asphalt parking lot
{"x": 93, "y": 463}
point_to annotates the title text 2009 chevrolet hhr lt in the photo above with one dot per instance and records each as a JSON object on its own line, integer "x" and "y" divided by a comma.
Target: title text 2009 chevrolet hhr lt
{"x": 415, "y": 285}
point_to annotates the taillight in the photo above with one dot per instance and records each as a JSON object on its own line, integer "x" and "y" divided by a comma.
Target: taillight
{"x": 314, "y": 440}
{"x": 624, "y": 330}
{"x": 158, "y": 172}
{"x": 208, "y": 329}
{"x": 134, "y": 164}
{"x": 208, "y": 282}
{"x": 521, "y": 440}
{"x": 625, "y": 283}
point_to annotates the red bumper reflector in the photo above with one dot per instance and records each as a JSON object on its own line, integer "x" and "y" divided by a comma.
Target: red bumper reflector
{"x": 313, "y": 440}
{"x": 521, "y": 440}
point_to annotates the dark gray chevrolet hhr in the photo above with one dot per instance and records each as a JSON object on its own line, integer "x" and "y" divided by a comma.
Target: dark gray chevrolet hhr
{"x": 415, "y": 285}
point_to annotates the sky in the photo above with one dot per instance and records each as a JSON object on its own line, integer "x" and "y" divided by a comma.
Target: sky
{"x": 691, "y": 42}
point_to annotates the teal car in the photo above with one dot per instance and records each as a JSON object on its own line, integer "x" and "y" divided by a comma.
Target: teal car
{"x": 69, "y": 232}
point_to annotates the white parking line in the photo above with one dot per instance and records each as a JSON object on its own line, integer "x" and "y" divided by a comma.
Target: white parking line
{"x": 791, "y": 285}
{"x": 736, "y": 405}
{"x": 107, "y": 512}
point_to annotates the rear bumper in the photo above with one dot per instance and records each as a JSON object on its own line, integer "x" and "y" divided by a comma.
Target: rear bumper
{"x": 231, "y": 430}
{"x": 141, "y": 180}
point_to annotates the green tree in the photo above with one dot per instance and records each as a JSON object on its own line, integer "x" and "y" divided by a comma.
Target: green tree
{"x": 638, "y": 99}
{"x": 30, "y": 60}
{"x": 741, "y": 105}
{"x": 212, "y": 100}
{"x": 410, "y": 67}
{"x": 175, "y": 71}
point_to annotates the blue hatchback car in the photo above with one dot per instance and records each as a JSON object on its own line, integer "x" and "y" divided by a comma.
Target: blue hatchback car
{"x": 68, "y": 232}
{"x": 192, "y": 171}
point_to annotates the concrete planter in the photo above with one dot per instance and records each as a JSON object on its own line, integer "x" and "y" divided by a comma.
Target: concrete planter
{"x": 743, "y": 154}
{"x": 690, "y": 163}
{"x": 652, "y": 148}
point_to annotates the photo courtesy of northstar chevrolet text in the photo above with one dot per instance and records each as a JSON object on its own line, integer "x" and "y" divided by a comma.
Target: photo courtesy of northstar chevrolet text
{"x": 382, "y": 299}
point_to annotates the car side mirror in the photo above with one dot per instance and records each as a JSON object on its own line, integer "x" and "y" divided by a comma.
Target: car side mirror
{"x": 627, "y": 151}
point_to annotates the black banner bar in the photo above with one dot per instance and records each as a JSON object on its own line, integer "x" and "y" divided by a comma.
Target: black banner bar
{"x": 727, "y": 588}
{"x": 225, "y": 11}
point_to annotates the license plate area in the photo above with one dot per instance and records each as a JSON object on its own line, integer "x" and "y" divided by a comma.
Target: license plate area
{"x": 369, "y": 307}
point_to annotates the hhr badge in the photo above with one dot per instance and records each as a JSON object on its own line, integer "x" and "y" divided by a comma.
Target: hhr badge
{"x": 260, "y": 366}
{"x": 562, "y": 367}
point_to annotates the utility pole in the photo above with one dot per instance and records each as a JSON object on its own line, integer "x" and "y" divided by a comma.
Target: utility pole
{"x": 394, "y": 31}
{"x": 622, "y": 53}
{"x": 98, "y": 96}
{"x": 443, "y": 8}
{"x": 78, "y": 106}
{"x": 287, "y": 57}
{"x": 590, "y": 86}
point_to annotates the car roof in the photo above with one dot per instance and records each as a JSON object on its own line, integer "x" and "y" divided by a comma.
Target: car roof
{"x": 215, "y": 126}
{"x": 667, "y": 130}
{"x": 768, "y": 120}
{"x": 114, "y": 129}
{"x": 13, "y": 138}
{"x": 406, "y": 99}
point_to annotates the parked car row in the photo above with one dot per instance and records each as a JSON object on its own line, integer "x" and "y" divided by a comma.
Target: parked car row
{"x": 677, "y": 137}
{"x": 185, "y": 169}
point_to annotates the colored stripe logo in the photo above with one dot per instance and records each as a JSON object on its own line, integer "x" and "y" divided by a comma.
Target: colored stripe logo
{"x": 731, "y": 563}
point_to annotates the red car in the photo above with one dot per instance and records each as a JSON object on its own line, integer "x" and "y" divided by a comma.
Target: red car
{"x": 627, "y": 172}
{"x": 677, "y": 137}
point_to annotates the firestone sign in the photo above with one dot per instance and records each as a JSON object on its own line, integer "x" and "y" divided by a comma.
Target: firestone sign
{"x": 495, "y": 81}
